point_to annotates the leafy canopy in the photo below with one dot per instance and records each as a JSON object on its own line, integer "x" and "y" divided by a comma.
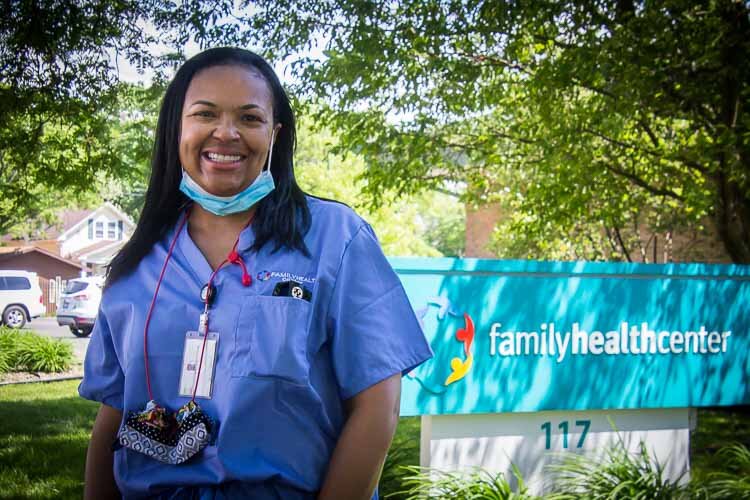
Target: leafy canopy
{"x": 602, "y": 118}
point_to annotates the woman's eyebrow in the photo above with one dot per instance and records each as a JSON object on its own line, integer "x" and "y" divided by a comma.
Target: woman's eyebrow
{"x": 243, "y": 107}
{"x": 205, "y": 103}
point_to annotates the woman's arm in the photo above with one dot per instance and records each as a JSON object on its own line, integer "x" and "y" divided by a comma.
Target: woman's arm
{"x": 100, "y": 477}
{"x": 358, "y": 459}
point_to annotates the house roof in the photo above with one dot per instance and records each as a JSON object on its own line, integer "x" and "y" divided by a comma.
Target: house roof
{"x": 100, "y": 253}
{"x": 106, "y": 205}
{"x": 70, "y": 218}
{"x": 49, "y": 245}
{"x": 10, "y": 252}
{"x": 99, "y": 245}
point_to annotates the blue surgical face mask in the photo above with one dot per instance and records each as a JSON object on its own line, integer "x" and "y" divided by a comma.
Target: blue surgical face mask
{"x": 225, "y": 205}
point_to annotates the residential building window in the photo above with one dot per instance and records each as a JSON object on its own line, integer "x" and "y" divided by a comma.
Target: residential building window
{"x": 99, "y": 230}
{"x": 119, "y": 227}
{"x": 91, "y": 229}
{"x": 111, "y": 230}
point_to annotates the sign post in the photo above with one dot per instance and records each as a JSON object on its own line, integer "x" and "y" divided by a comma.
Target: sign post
{"x": 537, "y": 358}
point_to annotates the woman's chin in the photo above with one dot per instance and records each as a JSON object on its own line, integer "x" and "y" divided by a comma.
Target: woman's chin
{"x": 224, "y": 192}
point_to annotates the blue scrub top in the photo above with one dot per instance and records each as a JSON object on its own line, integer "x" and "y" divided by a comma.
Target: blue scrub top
{"x": 284, "y": 365}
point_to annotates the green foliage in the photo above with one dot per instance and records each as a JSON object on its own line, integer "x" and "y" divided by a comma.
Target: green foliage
{"x": 5, "y": 357}
{"x": 600, "y": 119}
{"x": 420, "y": 225}
{"x": 26, "y": 351}
{"x": 404, "y": 450}
{"x": 733, "y": 482}
{"x": 615, "y": 474}
{"x": 424, "y": 483}
{"x": 60, "y": 94}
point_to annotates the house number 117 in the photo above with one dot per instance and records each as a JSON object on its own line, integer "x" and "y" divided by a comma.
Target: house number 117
{"x": 563, "y": 426}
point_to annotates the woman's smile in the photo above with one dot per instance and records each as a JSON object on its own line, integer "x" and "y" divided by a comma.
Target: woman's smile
{"x": 222, "y": 161}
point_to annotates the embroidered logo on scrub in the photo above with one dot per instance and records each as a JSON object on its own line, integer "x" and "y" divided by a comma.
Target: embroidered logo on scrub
{"x": 459, "y": 366}
{"x": 283, "y": 275}
{"x": 264, "y": 276}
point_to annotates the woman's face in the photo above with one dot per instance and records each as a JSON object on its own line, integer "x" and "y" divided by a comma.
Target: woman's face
{"x": 226, "y": 126}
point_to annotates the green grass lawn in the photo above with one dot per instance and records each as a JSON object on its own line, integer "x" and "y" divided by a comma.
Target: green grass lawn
{"x": 44, "y": 431}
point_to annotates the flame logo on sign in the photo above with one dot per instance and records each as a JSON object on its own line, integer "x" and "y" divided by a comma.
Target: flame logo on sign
{"x": 460, "y": 367}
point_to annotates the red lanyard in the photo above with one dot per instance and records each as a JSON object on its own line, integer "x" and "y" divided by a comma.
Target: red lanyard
{"x": 234, "y": 258}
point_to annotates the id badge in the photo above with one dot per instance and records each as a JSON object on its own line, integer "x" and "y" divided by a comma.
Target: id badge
{"x": 191, "y": 360}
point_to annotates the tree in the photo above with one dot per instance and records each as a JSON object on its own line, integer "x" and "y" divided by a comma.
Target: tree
{"x": 59, "y": 86}
{"x": 600, "y": 117}
{"x": 419, "y": 225}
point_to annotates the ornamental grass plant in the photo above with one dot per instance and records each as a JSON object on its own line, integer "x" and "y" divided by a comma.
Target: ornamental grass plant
{"x": 28, "y": 351}
{"x": 614, "y": 474}
{"x": 734, "y": 481}
{"x": 424, "y": 483}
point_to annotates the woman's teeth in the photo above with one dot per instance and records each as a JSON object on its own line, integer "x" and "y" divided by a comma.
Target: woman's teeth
{"x": 223, "y": 158}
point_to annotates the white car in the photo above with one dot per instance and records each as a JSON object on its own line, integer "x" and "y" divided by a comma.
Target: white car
{"x": 79, "y": 303}
{"x": 20, "y": 298}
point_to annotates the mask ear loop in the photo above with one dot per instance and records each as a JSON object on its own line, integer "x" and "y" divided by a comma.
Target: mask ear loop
{"x": 270, "y": 149}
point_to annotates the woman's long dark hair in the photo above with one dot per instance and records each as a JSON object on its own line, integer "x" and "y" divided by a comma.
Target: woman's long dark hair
{"x": 282, "y": 218}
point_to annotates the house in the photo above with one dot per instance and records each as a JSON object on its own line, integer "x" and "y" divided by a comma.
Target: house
{"x": 93, "y": 237}
{"x": 89, "y": 238}
{"x": 49, "y": 266}
{"x": 46, "y": 264}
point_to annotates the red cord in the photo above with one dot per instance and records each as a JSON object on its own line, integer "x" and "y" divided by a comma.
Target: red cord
{"x": 234, "y": 257}
{"x": 153, "y": 301}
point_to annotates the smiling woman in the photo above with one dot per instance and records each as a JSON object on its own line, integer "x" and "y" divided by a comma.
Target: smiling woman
{"x": 226, "y": 136}
{"x": 251, "y": 339}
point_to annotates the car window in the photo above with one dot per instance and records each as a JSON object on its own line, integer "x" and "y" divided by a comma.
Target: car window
{"x": 16, "y": 283}
{"x": 75, "y": 286}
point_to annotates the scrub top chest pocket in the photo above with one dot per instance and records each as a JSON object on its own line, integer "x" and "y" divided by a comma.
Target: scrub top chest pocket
{"x": 271, "y": 339}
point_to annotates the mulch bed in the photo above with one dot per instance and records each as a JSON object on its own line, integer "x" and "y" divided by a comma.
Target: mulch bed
{"x": 26, "y": 377}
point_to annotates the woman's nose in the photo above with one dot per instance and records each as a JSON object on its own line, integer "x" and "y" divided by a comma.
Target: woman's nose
{"x": 226, "y": 130}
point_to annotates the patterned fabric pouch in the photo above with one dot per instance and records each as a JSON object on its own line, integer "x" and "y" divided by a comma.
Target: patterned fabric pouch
{"x": 167, "y": 437}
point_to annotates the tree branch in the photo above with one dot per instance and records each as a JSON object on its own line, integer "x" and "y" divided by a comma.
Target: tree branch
{"x": 622, "y": 244}
{"x": 641, "y": 183}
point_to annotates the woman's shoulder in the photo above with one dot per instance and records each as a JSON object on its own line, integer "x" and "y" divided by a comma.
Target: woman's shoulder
{"x": 335, "y": 215}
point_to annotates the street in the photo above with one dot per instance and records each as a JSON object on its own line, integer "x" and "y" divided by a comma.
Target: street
{"x": 49, "y": 328}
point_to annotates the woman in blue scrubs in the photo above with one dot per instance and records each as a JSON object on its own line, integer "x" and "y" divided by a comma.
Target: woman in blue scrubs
{"x": 251, "y": 338}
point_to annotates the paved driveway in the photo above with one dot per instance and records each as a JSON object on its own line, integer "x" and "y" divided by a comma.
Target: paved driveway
{"x": 49, "y": 328}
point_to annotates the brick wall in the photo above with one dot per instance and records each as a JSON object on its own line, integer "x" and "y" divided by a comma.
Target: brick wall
{"x": 685, "y": 246}
{"x": 480, "y": 223}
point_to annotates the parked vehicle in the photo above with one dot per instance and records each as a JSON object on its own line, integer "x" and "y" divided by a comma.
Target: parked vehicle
{"x": 20, "y": 298}
{"x": 79, "y": 303}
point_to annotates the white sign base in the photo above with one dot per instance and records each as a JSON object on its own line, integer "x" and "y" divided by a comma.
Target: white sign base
{"x": 532, "y": 441}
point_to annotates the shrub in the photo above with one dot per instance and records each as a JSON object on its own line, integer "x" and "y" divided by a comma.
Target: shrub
{"x": 614, "y": 474}
{"x": 4, "y": 360}
{"x": 8, "y": 341}
{"x": 734, "y": 481}
{"x": 404, "y": 450}
{"x": 424, "y": 483}
{"x": 26, "y": 351}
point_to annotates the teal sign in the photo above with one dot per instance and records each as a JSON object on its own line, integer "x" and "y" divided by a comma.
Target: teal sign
{"x": 520, "y": 336}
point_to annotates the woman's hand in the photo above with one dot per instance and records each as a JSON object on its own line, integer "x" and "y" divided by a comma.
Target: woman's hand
{"x": 100, "y": 477}
{"x": 358, "y": 459}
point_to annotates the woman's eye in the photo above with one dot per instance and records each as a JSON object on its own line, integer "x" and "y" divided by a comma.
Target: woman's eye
{"x": 203, "y": 114}
{"x": 251, "y": 118}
